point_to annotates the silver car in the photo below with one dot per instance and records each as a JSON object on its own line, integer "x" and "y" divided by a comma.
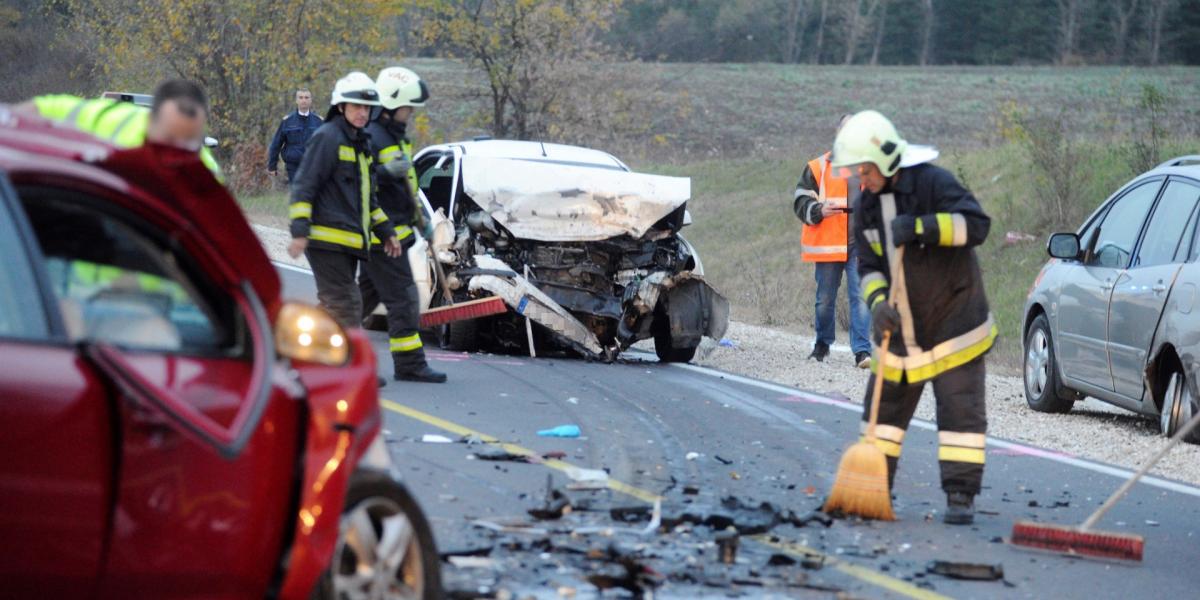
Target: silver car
{"x": 1115, "y": 314}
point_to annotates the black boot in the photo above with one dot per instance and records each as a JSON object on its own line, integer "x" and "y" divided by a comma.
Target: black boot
{"x": 819, "y": 352}
{"x": 381, "y": 381}
{"x": 422, "y": 374}
{"x": 960, "y": 509}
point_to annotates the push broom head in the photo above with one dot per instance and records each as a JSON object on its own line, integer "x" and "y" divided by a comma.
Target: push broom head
{"x": 474, "y": 309}
{"x": 1074, "y": 541}
{"x": 861, "y": 487}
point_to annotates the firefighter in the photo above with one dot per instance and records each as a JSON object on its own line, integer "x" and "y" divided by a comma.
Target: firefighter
{"x": 178, "y": 117}
{"x": 390, "y": 279}
{"x": 824, "y": 202}
{"x": 940, "y": 321}
{"x": 333, "y": 207}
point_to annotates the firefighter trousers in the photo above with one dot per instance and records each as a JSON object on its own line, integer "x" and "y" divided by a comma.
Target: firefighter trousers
{"x": 389, "y": 280}
{"x": 337, "y": 293}
{"x": 961, "y": 420}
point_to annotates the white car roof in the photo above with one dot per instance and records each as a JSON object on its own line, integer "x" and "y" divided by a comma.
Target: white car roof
{"x": 535, "y": 151}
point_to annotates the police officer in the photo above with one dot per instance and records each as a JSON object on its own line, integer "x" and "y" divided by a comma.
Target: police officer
{"x": 178, "y": 117}
{"x": 391, "y": 279}
{"x": 940, "y": 320}
{"x": 292, "y": 135}
{"x": 333, "y": 208}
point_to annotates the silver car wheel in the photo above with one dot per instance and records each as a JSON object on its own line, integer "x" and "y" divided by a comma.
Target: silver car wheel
{"x": 1177, "y": 405}
{"x": 1037, "y": 364}
{"x": 377, "y": 556}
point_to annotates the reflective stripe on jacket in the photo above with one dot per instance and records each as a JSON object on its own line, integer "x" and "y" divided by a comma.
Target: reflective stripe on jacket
{"x": 395, "y": 195}
{"x": 944, "y": 317}
{"x": 122, "y": 124}
{"x": 333, "y": 200}
{"x": 827, "y": 240}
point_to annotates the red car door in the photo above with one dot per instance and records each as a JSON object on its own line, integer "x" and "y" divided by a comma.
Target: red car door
{"x": 209, "y": 444}
{"x": 56, "y": 453}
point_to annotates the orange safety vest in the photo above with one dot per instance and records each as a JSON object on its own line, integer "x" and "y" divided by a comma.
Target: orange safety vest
{"x": 826, "y": 242}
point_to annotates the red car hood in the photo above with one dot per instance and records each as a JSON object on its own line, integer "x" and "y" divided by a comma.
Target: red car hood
{"x": 153, "y": 180}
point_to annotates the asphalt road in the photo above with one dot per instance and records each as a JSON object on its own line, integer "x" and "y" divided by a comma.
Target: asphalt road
{"x": 640, "y": 420}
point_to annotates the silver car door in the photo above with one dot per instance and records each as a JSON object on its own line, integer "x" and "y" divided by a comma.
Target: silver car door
{"x": 1087, "y": 288}
{"x": 1141, "y": 291}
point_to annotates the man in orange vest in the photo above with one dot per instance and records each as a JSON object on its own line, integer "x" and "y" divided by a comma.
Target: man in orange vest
{"x": 825, "y": 203}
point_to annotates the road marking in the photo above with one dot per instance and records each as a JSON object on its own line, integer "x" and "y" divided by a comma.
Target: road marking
{"x": 558, "y": 465}
{"x": 1014, "y": 447}
{"x": 283, "y": 265}
{"x": 870, "y": 576}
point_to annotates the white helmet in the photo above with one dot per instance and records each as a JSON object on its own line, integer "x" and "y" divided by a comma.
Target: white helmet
{"x": 869, "y": 137}
{"x": 401, "y": 87}
{"x": 355, "y": 88}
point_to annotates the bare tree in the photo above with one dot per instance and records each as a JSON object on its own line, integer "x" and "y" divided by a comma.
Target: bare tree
{"x": 821, "y": 32}
{"x": 1123, "y": 12}
{"x": 1157, "y": 16}
{"x": 879, "y": 27}
{"x": 795, "y": 20}
{"x": 856, "y": 24}
{"x": 926, "y": 30}
{"x": 1070, "y": 15}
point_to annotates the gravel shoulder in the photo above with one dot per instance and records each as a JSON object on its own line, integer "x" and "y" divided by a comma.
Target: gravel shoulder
{"x": 1093, "y": 430}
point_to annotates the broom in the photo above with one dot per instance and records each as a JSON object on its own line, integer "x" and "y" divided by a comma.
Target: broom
{"x": 861, "y": 485}
{"x": 1083, "y": 540}
{"x": 451, "y": 312}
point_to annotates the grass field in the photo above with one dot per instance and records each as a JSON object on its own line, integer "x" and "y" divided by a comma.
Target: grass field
{"x": 744, "y": 132}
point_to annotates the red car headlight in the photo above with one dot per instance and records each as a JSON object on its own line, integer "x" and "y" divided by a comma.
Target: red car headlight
{"x": 309, "y": 334}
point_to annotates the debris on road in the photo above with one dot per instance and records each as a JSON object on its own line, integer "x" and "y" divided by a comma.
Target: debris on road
{"x": 562, "y": 431}
{"x": 964, "y": 570}
{"x": 692, "y": 455}
{"x": 724, "y": 461}
{"x": 432, "y": 438}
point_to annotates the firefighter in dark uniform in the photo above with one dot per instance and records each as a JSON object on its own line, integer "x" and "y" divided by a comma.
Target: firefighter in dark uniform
{"x": 333, "y": 207}
{"x": 940, "y": 323}
{"x": 390, "y": 280}
{"x": 292, "y": 135}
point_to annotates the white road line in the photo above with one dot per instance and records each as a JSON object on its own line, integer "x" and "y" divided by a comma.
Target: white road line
{"x": 1032, "y": 451}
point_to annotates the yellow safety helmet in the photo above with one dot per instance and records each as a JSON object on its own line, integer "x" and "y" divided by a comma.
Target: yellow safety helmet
{"x": 401, "y": 87}
{"x": 869, "y": 137}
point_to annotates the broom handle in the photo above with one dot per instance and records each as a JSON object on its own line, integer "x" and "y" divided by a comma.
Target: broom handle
{"x": 1121, "y": 491}
{"x": 877, "y": 393}
{"x": 441, "y": 274}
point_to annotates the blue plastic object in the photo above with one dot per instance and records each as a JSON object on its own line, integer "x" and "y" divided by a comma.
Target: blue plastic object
{"x": 563, "y": 431}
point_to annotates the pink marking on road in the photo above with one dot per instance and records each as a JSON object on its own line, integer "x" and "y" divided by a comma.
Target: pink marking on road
{"x": 1021, "y": 450}
{"x": 814, "y": 399}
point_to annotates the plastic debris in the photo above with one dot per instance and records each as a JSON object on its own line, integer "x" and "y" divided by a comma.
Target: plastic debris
{"x": 724, "y": 461}
{"x": 432, "y": 438}
{"x": 727, "y": 343}
{"x": 472, "y": 562}
{"x": 562, "y": 431}
{"x": 692, "y": 455}
{"x": 963, "y": 570}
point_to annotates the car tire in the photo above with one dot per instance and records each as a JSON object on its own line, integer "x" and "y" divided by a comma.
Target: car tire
{"x": 663, "y": 344}
{"x": 460, "y": 336}
{"x": 373, "y": 501}
{"x": 1179, "y": 405}
{"x": 1043, "y": 390}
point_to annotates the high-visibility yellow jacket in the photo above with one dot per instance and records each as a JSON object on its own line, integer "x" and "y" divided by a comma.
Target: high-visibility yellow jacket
{"x": 822, "y": 239}
{"x": 119, "y": 123}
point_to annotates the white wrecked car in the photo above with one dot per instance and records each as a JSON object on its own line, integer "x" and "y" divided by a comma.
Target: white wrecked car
{"x": 586, "y": 254}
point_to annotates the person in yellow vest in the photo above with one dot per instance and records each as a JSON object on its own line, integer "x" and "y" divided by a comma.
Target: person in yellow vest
{"x": 178, "y": 117}
{"x": 825, "y": 204}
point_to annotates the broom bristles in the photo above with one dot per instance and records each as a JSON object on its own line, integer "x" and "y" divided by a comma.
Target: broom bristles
{"x": 1077, "y": 542}
{"x": 474, "y": 309}
{"x": 861, "y": 487}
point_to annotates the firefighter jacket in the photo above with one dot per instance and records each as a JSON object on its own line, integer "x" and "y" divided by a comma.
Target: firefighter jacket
{"x": 290, "y": 138}
{"x": 939, "y": 293}
{"x": 333, "y": 195}
{"x": 396, "y": 196}
{"x": 122, "y": 124}
{"x": 823, "y": 239}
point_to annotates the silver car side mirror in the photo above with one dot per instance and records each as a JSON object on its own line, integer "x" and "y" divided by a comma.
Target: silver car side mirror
{"x": 1063, "y": 245}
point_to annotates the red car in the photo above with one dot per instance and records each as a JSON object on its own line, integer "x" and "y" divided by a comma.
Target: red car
{"x": 173, "y": 428}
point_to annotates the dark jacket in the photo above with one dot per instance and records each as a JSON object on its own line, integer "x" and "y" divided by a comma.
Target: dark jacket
{"x": 333, "y": 195}
{"x": 944, "y": 314}
{"x": 395, "y": 194}
{"x": 291, "y": 137}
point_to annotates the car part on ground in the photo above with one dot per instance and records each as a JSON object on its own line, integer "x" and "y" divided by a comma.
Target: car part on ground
{"x": 572, "y": 241}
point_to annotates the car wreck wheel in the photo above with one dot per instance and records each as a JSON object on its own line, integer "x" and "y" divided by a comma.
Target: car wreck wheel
{"x": 1043, "y": 392}
{"x": 1179, "y": 405}
{"x": 385, "y": 549}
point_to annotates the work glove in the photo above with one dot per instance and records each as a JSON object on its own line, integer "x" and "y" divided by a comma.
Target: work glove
{"x": 885, "y": 317}
{"x": 397, "y": 167}
{"x": 904, "y": 230}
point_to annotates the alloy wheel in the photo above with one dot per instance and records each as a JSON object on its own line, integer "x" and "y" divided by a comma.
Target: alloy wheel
{"x": 378, "y": 555}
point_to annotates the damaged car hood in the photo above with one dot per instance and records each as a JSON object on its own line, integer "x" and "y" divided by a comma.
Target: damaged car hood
{"x": 555, "y": 202}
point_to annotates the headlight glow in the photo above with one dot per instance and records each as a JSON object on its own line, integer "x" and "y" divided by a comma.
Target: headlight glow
{"x": 307, "y": 333}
